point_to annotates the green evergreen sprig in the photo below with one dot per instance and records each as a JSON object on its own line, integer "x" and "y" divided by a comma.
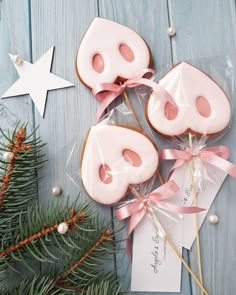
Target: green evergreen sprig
{"x": 30, "y": 237}
{"x": 18, "y": 177}
{"x": 37, "y": 286}
{"x": 46, "y": 286}
{"x": 37, "y": 234}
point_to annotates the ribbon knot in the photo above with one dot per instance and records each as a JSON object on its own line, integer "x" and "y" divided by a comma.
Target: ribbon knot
{"x": 195, "y": 154}
{"x": 105, "y": 93}
{"x": 138, "y": 208}
{"x": 216, "y": 156}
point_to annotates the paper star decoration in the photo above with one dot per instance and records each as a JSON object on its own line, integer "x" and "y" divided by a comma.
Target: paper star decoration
{"x": 36, "y": 79}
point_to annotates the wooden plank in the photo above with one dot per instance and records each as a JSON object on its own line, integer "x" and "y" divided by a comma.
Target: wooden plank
{"x": 15, "y": 39}
{"x": 69, "y": 112}
{"x": 206, "y": 29}
{"x": 151, "y": 22}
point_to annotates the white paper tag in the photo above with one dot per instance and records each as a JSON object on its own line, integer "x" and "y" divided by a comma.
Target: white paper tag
{"x": 183, "y": 178}
{"x": 154, "y": 263}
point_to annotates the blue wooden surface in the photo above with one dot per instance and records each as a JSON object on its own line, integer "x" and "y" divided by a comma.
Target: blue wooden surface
{"x": 205, "y": 29}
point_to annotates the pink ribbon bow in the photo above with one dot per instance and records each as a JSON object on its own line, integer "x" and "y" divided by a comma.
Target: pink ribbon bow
{"x": 137, "y": 209}
{"x": 216, "y": 156}
{"x": 105, "y": 93}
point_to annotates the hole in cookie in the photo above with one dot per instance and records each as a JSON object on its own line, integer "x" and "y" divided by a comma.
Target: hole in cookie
{"x": 105, "y": 174}
{"x": 171, "y": 111}
{"x": 132, "y": 158}
{"x": 203, "y": 106}
{"x": 126, "y": 52}
{"x": 98, "y": 63}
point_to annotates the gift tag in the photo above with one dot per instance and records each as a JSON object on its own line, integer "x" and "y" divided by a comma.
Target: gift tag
{"x": 154, "y": 263}
{"x": 209, "y": 189}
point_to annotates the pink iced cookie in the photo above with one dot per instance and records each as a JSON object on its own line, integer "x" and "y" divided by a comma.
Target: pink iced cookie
{"x": 202, "y": 106}
{"x": 113, "y": 158}
{"x": 109, "y": 51}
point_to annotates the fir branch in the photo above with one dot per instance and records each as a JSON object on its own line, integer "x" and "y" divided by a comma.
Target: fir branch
{"x": 35, "y": 228}
{"x": 86, "y": 269}
{"x": 36, "y": 286}
{"x": 28, "y": 231}
{"x": 46, "y": 286}
{"x": 107, "y": 285}
{"x": 74, "y": 217}
{"x": 15, "y": 147}
{"x": 105, "y": 236}
{"x": 18, "y": 178}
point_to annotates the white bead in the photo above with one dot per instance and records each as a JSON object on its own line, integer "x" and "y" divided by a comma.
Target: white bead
{"x": 16, "y": 59}
{"x": 8, "y": 156}
{"x": 213, "y": 219}
{"x": 171, "y": 31}
{"x": 56, "y": 191}
{"x": 62, "y": 228}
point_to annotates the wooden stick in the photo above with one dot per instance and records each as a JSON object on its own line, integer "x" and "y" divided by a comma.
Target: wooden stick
{"x": 158, "y": 224}
{"x": 132, "y": 110}
{"x": 199, "y": 259}
{"x": 168, "y": 239}
{"x": 160, "y": 177}
{"x": 172, "y": 245}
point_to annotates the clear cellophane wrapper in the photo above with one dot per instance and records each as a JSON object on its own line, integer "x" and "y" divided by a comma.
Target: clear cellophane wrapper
{"x": 202, "y": 91}
{"x": 93, "y": 151}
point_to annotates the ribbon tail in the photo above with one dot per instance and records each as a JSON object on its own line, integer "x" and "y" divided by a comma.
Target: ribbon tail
{"x": 220, "y": 163}
{"x": 179, "y": 209}
{"x": 102, "y": 107}
{"x": 220, "y": 151}
{"x": 165, "y": 191}
{"x": 155, "y": 86}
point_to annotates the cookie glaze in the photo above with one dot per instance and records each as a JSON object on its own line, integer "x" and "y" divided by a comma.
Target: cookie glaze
{"x": 109, "y": 51}
{"x": 115, "y": 157}
{"x": 202, "y": 106}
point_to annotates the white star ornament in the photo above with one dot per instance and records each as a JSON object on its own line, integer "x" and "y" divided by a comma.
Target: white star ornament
{"x": 35, "y": 80}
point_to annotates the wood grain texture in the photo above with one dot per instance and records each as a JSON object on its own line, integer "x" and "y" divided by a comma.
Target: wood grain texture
{"x": 206, "y": 34}
{"x": 69, "y": 112}
{"x": 15, "y": 39}
{"x": 150, "y": 20}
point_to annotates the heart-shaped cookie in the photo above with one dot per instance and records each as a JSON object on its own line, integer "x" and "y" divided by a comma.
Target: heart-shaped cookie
{"x": 202, "y": 106}
{"x": 110, "y": 51}
{"x": 113, "y": 158}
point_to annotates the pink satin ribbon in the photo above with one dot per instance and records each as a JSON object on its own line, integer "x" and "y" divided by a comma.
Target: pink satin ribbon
{"x": 105, "y": 93}
{"x": 216, "y": 156}
{"x": 137, "y": 209}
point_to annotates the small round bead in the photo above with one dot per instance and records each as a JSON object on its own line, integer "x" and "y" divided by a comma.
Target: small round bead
{"x": 17, "y": 59}
{"x": 171, "y": 31}
{"x": 213, "y": 219}
{"x": 62, "y": 228}
{"x": 56, "y": 191}
{"x": 8, "y": 156}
